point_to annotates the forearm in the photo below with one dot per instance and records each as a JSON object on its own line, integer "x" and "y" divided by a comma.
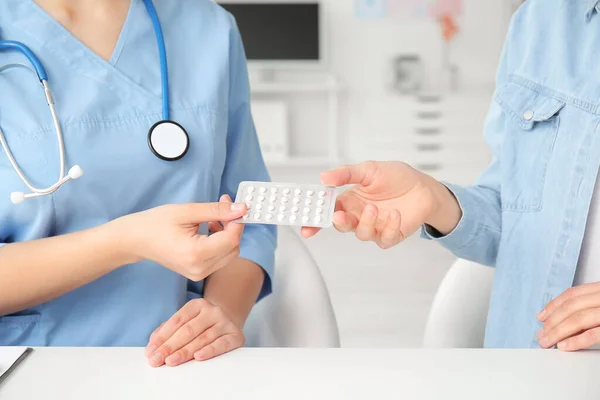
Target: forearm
{"x": 37, "y": 271}
{"x": 235, "y": 289}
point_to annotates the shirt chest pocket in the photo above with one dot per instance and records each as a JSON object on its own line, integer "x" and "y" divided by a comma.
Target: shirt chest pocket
{"x": 532, "y": 125}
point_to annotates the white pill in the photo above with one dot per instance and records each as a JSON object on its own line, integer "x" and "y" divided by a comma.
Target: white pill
{"x": 321, "y": 193}
{"x": 305, "y": 219}
{"x": 309, "y": 193}
{"x": 284, "y": 200}
{"x": 248, "y": 206}
{"x": 280, "y": 217}
{"x": 250, "y": 189}
{"x": 273, "y": 199}
{"x": 261, "y": 198}
{"x": 269, "y": 217}
{"x": 321, "y": 202}
{"x": 282, "y": 208}
{"x": 293, "y": 218}
{"x": 257, "y": 216}
{"x": 307, "y": 210}
{"x": 295, "y": 209}
{"x": 248, "y": 198}
{"x": 263, "y": 190}
{"x": 246, "y": 217}
{"x": 319, "y": 211}
{"x": 296, "y": 200}
{"x": 308, "y": 202}
{"x": 286, "y": 191}
{"x": 271, "y": 207}
{"x": 318, "y": 219}
{"x": 297, "y": 192}
{"x": 274, "y": 190}
{"x": 259, "y": 207}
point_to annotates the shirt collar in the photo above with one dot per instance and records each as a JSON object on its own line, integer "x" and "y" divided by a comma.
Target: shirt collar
{"x": 591, "y": 7}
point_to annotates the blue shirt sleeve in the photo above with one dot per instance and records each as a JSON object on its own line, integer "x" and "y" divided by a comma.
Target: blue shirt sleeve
{"x": 244, "y": 160}
{"x": 477, "y": 235}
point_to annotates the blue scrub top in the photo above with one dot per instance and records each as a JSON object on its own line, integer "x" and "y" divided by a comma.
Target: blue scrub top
{"x": 106, "y": 110}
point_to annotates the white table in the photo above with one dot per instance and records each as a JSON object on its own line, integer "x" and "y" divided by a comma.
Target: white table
{"x": 94, "y": 374}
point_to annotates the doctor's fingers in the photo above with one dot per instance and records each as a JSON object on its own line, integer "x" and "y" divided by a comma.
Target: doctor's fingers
{"x": 198, "y": 213}
{"x": 175, "y": 350}
{"x": 221, "y": 345}
{"x": 218, "y": 262}
{"x": 221, "y": 243}
{"x": 226, "y": 200}
{"x": 215, "y": 227}
{"x": 190, "y": 311}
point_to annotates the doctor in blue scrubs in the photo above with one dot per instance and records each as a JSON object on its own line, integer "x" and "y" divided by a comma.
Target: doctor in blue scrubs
{"x": 117, "y": 251}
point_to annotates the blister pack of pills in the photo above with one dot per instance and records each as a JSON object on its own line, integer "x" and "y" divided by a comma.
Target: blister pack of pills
{"x": 287, "y": 204}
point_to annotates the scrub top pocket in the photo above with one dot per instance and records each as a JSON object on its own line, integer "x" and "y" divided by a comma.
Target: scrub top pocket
{"x": 532, "y": 125}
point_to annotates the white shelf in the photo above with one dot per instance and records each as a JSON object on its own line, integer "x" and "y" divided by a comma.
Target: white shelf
{"x": 294, "y": 162}
{"x": 299, "y": 87}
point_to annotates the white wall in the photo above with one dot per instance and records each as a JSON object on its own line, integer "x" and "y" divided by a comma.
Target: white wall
{"x": 361, "y": 52}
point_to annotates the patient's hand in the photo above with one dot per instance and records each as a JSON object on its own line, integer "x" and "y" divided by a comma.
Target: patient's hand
{"x": 389, "y": 202}
{"x": 572, "y": 320}
{"x": 200, "y": 330}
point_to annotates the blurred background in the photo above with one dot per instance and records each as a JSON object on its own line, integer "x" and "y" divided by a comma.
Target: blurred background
{"x": 343, "y": 81}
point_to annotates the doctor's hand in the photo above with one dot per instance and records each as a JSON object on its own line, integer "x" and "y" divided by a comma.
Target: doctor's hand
{"x": 572, "y": 320}
{"x": 389, "y": 202}
{"x": 200, "y": 331}
{"x": 168, "y": 235}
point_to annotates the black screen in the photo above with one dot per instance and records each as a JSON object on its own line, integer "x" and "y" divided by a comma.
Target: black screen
{"x": 278, "y": 31}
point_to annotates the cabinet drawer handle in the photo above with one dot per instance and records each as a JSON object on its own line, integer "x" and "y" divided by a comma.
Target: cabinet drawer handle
{"x": 428, "y": 167}
{"x": 428, "y": 131}
{"x": 429, "y": 115}
{"x": 429, "y": 146}
{"x": 423, "y": 98}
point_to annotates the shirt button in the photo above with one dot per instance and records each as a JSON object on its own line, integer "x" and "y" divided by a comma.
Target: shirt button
{"x": 528, "y": 115}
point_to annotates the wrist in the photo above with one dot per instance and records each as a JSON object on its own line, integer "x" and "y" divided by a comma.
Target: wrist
{"x": 235, "y": 317}
{"x": 447, "y": 213}
{"x": 123, "y": 240}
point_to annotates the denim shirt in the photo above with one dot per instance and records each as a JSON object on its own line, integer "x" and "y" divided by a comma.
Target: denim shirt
{"x": 527, "y": 213}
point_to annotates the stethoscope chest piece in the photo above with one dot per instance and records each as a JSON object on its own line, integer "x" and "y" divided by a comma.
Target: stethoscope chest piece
{"x": 168, "y": 140}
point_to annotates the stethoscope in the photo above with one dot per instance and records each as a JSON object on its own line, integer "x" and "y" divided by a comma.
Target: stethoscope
{"x": 167, "y": 139}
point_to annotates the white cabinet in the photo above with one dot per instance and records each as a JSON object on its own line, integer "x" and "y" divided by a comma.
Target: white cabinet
{"x": 442, "y": 136}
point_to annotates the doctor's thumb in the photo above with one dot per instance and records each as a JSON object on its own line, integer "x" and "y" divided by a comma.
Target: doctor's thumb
{"x": 207, "y": 212}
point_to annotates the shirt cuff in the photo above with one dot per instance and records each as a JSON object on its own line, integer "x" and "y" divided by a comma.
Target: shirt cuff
{"x": 468, "y": 227}
{"x": 259, "y": 246}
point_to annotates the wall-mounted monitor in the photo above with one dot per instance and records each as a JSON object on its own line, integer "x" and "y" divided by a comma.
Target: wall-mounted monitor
{"x": 280, "y": 34}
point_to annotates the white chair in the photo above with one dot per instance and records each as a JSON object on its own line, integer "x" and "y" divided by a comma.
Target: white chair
{"x": 299, "y": 312}
{"x": 460, "y": 308}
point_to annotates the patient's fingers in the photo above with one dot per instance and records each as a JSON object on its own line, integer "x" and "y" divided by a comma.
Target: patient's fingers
{"x": 344, "y": 222}
{"x": 391, "y": 234}
{"x": 365, "y": 230}
{"x": 308, "y": 232}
